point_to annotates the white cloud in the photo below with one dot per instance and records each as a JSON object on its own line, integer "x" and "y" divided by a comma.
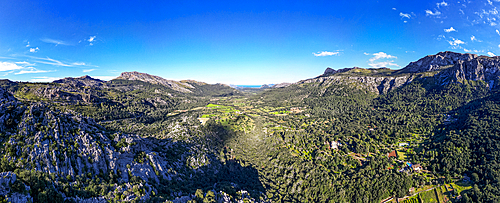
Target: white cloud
{"x": 44, "y": 79}
{"x": 499, "y": 46}
{"x": 393, "y": 8}
{"x": 54, "y": 41}
{"x": 383, "y": 64}
{"x": 34, "y": 50}
{"x": 404, "y": 15}
{"x": 378, "y": 64}
{"x": 473, "y": 38}
{"x": 451, "y": 29}
{"x": 78, "y": 64}
{"x": 429, "y": 12}
{"x": 33, "y": 70}
{"x": 498, "y": 32}
{"x": 456, "y": 42}
{"x": 8, "y": 66}
{"x": 28, "y": 45}
{"x": 442, "y": 4}
{"x": 467, "y": 50}
{"x": 381, "y": 55}
{"x": 91, "y": 38}
{"x": 326, "y": 53}
{"x": 366, "y": 53}
{"x": 54, "y": 62}
{"x": 491, "y": 54}
{"x": 88, "y": 70}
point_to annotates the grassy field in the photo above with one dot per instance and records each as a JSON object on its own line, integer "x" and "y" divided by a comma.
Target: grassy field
{"x": 460, "y": 187}
{"x": 401, "y": 155}
{"x": 411, "y": 200}
{"x": 429, "y": 196}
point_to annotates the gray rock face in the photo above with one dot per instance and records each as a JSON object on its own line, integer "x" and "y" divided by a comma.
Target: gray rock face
{"x": 433, "y": 62}
{"x": 482, "y": 68}
{"x": 10, "y": 108}
{"x": 82, "y": 81}
{"x": 285, "y": 84}
{"x": 378, "y": 85}
{"x": 330, "y": 71}
{"x": 175, "y": 85}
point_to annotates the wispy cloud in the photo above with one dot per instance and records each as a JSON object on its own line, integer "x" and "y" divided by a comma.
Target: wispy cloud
{"x": 28, "y": 45}
{"x": 326, "y": 53}
{"x": 56, "y": 42}
{"x": 24, "y": 63}
{"x": 8, "y": 66}
{"x": 88, "y": 70}
{"x": 404, "y": 15}
{"x": 451, "y": 29}
{"x": 54, "y": 62}
{"x": 491, "y": 54}
{"x": 498, "y": 32}
{"x": 34, "y": 50}
{"x": 429, "y": 12}
{"x": 33, "y": 70}
{"x": 378, "y": 64}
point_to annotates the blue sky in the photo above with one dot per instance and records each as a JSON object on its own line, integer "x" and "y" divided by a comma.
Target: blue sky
{"x": 234, "y": 42}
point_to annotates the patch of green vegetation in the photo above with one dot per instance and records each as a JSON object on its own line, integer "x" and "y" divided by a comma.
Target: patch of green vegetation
{"x": 208, "y": 115}
{"x": 428, "y": 196}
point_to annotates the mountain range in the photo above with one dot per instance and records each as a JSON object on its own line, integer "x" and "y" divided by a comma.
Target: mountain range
{"x": 347, "y": 135}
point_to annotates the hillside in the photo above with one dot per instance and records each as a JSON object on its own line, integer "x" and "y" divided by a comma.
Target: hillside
{"x": 349, "y": 135}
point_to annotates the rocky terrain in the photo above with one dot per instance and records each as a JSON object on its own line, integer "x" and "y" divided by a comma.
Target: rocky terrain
{"x": 175, "y": 85}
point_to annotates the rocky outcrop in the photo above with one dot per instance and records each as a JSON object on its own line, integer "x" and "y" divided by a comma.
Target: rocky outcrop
{"x": 377, "y": 85}
{"x": 458, "y": 67}
{"x": 175, "y": 85}
{"x": 330, "y": 71}
{"x": 285, "y": 84}
{"x": 10, "y": 109}
{"x": 85, "y": 81}
{"x": 482, "y": 68}
{"x": 434, "y": 62}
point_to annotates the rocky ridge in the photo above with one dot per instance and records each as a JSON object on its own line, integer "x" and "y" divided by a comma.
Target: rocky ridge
{"x": 175, "y": 85}
{"x": 81, "y": 81}
{"x": 445, "y": 67}
{"x": 377, "y": 85}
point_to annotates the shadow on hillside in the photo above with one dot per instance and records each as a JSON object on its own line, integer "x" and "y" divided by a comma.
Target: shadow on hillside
{"x": 229, "y": 176}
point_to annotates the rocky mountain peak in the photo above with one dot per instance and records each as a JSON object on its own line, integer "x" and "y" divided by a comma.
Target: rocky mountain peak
{"x": 81, "y": 81}
{"x": 153, "y": 79}
{"x": 330, "y": 71}
{"x": 434, "y": 62}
